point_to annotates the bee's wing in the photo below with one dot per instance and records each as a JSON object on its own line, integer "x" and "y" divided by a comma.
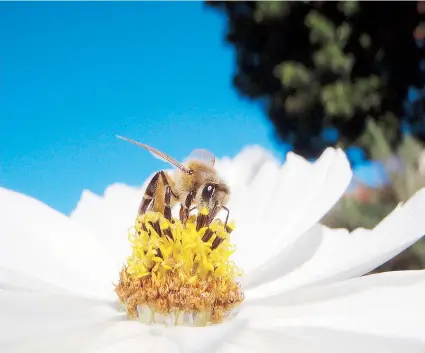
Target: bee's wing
{"x": 203, "y": 156}
{"x": 158, "y": 154}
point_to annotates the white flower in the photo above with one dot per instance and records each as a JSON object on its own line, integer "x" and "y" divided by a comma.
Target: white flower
{"x": 301, "y": 294}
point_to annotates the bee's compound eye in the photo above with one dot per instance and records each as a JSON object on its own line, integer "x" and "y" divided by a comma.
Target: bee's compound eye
{"x": 208, "y": 191}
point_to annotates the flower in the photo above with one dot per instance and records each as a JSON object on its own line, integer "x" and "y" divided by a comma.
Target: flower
{"x": 180, "y": 273}
{"x": 302, "y": 290}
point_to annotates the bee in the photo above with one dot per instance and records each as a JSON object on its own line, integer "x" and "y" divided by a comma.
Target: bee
{"x": 195, "y": 182}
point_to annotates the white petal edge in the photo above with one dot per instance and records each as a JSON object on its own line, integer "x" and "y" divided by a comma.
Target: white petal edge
{"x": 109, "y": 217}
{"x": 343, "y": 255}
{"x": 317, "y": 191}
{"x": 39, "y": 240}
{"x": 375, "y": 313}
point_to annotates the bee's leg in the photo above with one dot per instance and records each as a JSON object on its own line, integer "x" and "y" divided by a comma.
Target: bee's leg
{"x": 227, "y": 217}
{"x": 184, "y": 208}
{"x": 167, "y": 202}
{"x": 166, "y": 183}
{"x": 149, "y": 193}
{"x": 167, "y": 198}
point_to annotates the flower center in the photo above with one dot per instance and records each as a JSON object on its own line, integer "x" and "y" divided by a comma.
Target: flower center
{"x": 180, "y": 274}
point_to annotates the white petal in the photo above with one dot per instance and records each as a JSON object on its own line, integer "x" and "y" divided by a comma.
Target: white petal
{"x": 342, "y": 255}
{"x": 39, "y": 240}
{"x": 384, "y": 311}
{"x": 314, "y": 190}
{"x": 33, "y": 320}
{"x": 242, "y": 169}
{"x": 14, "y": 281}
{"x": 303, "y": 195}
{"x": 289, "y": 259}
{"x": 110, "y": 217}
{"x": 204, "y": 339}
{"x": 315, "y": 340}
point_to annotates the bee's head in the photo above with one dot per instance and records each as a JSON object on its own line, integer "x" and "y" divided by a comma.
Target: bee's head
{"x": 214, "y": 196}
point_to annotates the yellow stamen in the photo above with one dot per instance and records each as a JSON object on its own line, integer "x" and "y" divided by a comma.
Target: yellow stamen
{"x": 180, "y": 268}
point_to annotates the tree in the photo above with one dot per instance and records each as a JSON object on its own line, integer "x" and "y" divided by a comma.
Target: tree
{"x": 327, "y": 66}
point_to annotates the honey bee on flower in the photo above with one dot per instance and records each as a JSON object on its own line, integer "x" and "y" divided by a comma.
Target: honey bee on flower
{"x": 181, "y": 267}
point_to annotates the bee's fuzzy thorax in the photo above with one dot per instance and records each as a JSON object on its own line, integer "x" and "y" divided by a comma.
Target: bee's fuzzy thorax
{"x": 203, "y": 175}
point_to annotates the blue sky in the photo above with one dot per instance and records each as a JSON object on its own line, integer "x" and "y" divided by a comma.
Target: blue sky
{"x": 73, "y": 75}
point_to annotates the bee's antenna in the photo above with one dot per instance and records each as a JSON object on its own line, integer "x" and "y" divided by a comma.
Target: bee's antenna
{"x": 159, "y": 154}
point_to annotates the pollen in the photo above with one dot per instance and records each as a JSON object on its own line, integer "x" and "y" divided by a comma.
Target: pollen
{"x": 180, "y": 274}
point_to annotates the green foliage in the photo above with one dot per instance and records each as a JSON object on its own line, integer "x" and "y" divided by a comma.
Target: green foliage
{"x": 349, "y": 8}
{"x": 340, "y": 98}
{"x": 267, "y": 10}
{"x": 405, "y": 179}
{"x": 293, "y": 74}
{"x": 315, "y": 65}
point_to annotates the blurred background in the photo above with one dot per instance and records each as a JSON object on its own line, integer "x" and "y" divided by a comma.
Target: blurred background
{"x": 297, "y": 76}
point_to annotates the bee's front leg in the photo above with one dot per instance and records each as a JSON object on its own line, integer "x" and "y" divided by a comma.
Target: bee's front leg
{"x": 184, "y": 208}
{"x": 214, "y": 212}
{"x": 227, "y": 217}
